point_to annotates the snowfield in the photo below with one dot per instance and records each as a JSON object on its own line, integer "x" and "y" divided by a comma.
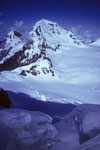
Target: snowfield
{"x": 77, "y": 79}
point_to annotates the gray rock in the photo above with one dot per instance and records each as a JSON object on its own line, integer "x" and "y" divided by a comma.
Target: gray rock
{"x": 84, "y": 118}
{"x": 74, "y": 119}
{"x": 91, "y": 124}
{"x": 4, "y": 99}
{"x": 25, "y": 130}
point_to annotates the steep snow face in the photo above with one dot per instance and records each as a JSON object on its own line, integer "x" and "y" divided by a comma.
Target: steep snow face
{"x": 12, "y": 44}
{"x": 12, "y": 39}
{"x": 53, "y": 35}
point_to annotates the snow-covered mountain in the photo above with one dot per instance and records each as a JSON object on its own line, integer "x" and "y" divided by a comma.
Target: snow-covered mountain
{"x": 53, "y": 65}
{"x": 10, "y": 45}
{"x": 44, "y": 36}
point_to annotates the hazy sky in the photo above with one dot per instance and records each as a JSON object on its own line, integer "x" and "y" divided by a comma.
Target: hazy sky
{"x": 67, "y": 13}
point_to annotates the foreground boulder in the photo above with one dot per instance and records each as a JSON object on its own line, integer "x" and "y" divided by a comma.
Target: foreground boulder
{"x": 27, "y": 130}
{"x": 4, "y": 99}
{"x": 85, "y": 118}
{"x": 91, "y": 124}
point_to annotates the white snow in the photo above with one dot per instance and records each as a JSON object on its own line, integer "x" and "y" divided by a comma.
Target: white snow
{"x": 54, "y": 34}
{"x": 96, "y": 43}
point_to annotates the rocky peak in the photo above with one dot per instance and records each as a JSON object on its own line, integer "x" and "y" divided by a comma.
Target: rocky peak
{"x": 43, "y": 26}
{"x": 11, "y": 45}
{"x": 53, "y": 34}
{"x": 12, "y": 34}
{"x": 13, "y": 38}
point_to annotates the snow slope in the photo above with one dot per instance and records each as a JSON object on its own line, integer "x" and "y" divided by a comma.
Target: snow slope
{"x": 96, "y": 43}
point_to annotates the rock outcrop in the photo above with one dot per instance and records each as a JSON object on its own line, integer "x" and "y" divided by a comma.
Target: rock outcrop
{"x": 92, "y": 144}
{"x": 85, "y": 118}
{"x": 27, "y": 130}
{"x": 4, "y": 99}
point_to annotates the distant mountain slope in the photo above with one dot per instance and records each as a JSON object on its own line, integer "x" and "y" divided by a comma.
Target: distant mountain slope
{"x": 96, "y": 43}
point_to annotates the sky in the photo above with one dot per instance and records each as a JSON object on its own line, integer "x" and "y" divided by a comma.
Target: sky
{"x": 67, "y": 13}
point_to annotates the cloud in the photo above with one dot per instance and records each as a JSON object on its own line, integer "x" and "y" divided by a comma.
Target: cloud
{"x": 19, "y": 27}
{"x": 18, "y": 24}
{"x": 84, "y": 35}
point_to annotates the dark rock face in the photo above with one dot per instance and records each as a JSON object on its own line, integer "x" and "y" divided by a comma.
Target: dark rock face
{"x": 3, "y": 53}
{"x": 12, "y": 62}
{"x": 15, "y": 61}
{"x": 23, "y": 73}
{"x": 4, "y": 99}
{"x": 17, "y": 34}
{"x": 38, "y": 31}
{"x": 2, "y": 43}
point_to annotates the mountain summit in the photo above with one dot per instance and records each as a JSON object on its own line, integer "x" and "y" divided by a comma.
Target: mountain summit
{"x": 52, "y": 32}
